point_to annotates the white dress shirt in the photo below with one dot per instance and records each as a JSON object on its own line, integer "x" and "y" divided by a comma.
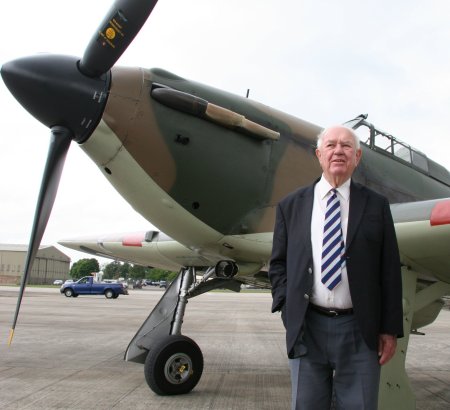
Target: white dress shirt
{"x": 339, "y": 297}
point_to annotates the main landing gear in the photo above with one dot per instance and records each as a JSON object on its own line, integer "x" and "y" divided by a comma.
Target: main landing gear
{"x": 173, "y": 363}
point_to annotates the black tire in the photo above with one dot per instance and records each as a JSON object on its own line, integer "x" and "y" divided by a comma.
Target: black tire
{"x": 109, "y": 294}
{"x": 173, "y": 366}
{"x": 69, "y": 292}
{"x": 116, "y": 295}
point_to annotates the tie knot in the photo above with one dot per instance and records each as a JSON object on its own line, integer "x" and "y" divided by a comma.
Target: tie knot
{"x": 332, "y": 198}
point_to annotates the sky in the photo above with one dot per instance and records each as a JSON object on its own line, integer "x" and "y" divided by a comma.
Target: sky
{"x": 324, "y": 61}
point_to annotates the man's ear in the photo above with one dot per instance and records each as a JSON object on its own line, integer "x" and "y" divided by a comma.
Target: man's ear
{"x": 358, "y": 155}
{"x": 318, "y": 153}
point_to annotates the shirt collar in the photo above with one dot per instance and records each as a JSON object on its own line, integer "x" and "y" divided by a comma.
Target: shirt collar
{"x": 325, "y": 187}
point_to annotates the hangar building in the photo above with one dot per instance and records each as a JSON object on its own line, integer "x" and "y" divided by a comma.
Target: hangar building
{"x": 50, "y": 264}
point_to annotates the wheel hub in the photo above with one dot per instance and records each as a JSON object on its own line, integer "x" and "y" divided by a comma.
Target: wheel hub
{"x": 178, "y": 368}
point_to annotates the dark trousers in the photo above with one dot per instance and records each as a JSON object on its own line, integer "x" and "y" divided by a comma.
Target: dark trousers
{"x": 337, "y": 358}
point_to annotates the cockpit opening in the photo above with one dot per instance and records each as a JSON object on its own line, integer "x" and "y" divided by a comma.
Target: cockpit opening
{"x": 384, "y": 142}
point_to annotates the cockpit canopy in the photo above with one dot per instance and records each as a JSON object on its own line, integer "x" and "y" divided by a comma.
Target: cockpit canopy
{"x": 385, "y": 143}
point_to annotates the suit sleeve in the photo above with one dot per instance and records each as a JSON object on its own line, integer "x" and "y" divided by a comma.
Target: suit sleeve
{"x": 277, "y": 269}
{"x": 391, "y": 298}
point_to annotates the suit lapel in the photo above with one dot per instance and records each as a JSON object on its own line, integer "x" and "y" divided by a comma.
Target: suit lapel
{"x": 306, "y": 210}
{"x": 303, "y": 212}
{"x": 358, "y": 200}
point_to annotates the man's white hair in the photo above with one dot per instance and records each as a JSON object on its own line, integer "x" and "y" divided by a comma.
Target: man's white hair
{"x": 350, "y": 130}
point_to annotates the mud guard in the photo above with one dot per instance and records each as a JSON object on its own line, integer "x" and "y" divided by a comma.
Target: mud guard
{"x": 157, "y": 325}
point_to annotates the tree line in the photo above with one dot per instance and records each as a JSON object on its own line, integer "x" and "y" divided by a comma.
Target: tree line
{"x": 116, "y": 270}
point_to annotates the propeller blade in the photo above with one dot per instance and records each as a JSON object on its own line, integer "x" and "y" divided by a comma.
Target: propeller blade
{"x": 114, "y": 35}
{"x": 59, "y": 146}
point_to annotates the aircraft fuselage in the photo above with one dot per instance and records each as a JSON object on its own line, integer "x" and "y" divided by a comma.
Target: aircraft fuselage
{"x": 184, "y": 169}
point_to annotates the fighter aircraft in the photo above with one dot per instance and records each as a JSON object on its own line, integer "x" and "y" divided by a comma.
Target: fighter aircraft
{"x": 207, "y": 168}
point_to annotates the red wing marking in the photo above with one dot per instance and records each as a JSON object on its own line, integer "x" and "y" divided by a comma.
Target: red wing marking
{"x": 133, "y": 239}
{"x": 440, "y": 215}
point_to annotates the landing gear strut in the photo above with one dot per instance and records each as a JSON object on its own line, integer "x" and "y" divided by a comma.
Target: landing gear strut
{"x": 173, "y": 363}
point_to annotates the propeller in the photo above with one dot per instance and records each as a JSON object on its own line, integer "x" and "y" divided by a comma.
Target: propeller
{"x": 69, "y": 96}
{"x": 59, "y": 145}
{"x": 116, "y": 32}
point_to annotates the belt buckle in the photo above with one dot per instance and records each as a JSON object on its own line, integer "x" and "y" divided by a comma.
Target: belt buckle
{"x": 333, "y": 313}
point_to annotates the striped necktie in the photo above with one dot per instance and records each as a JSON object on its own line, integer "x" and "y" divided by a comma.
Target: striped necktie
{"x": 333, "y": 243}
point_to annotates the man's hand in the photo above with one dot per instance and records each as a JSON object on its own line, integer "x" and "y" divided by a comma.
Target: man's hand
{"x": 386, "y": 348}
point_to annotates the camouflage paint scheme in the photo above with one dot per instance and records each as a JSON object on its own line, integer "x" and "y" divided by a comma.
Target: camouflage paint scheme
{"x": 208, "y": 168}
{"x": 213, "y": 188}
{"x": 180, "y": 170}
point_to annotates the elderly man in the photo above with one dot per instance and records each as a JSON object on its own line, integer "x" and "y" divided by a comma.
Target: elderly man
{"x": 335, "y": 274}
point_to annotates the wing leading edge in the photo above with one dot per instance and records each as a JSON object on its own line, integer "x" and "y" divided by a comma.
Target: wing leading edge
{"x": 423, "y": 234}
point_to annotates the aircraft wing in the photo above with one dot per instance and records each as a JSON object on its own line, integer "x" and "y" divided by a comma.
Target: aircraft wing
{"x": 146, "y": 248}
{"x": 423, "y": 234}
{"x": 158, "y": 250}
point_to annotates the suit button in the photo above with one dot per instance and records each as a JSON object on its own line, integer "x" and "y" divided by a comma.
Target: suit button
{"x": 306, "y": 296}
{"x": 310, "y": 270}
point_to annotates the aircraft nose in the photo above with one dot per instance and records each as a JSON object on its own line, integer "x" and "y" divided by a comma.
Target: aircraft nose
{"x": 55, "y": 92}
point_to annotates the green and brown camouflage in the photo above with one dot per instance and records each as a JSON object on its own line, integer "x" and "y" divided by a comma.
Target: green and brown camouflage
{"x": 223, "y": 175}
{"x": 208, "y": 168}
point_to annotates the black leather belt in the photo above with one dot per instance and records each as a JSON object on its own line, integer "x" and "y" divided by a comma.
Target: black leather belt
{"x": 331, "y": 311}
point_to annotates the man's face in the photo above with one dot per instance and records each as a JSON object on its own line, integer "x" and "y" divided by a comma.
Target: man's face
{"x": 338, "y": 155}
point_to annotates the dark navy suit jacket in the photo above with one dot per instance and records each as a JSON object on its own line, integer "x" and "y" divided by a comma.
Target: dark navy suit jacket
{"x": 372, "y": 259}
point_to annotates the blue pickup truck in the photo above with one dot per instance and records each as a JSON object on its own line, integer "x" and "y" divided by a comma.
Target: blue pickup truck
{"x": 87, "y": 286}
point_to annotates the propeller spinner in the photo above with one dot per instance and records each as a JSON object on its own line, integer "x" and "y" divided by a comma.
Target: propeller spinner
{"x": 69, "y": 95}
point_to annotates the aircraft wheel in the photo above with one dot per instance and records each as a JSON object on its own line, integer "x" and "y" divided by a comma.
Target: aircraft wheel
{"x": 68, "y": 292}
{"x": 174, "y": 365}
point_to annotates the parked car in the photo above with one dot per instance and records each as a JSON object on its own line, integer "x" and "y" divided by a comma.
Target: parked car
{"x": 163, "y": 284}
{"x": 137, "y": 284}
{"x": 87, "y": 286}
{"x": 58, "y": 282}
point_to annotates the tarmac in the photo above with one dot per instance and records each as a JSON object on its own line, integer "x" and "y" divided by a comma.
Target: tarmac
{"x": 67, "y": 353}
